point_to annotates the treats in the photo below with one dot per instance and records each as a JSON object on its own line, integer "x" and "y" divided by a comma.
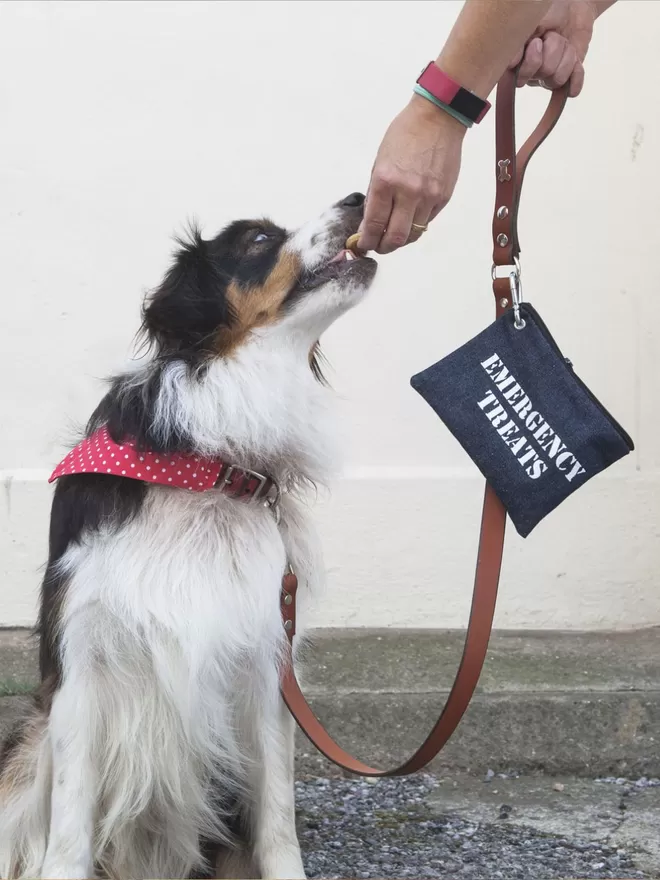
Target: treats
{"x": 351, "y": 242}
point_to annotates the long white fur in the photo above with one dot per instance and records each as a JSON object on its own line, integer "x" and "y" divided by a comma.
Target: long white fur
{"x": 172, "y": 633}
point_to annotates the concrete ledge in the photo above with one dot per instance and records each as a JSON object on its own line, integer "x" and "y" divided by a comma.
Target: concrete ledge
{"x": 580, "y": 703}
{"x": 567, "y": 703}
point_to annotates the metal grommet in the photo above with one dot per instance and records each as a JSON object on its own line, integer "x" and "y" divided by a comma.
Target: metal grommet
{"x": 504, "y": 302}
{"x": 502, "y": 212}
{"x": 288, "y": 625}
{"x": 502, "y": 239}
{"x": 288, "y": 598}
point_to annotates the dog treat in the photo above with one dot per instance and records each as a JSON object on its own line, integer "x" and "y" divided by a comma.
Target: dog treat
{"x": 352, "y": 240}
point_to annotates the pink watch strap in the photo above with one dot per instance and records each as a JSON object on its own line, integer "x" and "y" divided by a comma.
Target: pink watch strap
{"x": 447, "y": 90}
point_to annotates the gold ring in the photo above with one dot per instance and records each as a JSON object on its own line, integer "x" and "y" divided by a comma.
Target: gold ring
{"x": 419, "y": 227}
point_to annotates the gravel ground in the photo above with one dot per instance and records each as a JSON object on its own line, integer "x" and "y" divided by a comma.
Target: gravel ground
{"x": 385, "y": 829}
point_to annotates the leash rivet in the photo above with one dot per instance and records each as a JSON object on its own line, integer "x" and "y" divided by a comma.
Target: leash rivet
{"x": 288, "y": 625}
{"x": 504, "y": 302}
{"x": 502, "y": 239}
{"x": 288, "y": 598}
{"x": 502, "y": 212}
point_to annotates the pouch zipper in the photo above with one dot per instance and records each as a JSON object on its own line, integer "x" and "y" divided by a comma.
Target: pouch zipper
{"x": 538, "y": 320}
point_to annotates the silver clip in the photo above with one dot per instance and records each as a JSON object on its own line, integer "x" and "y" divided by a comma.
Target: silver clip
{"x": 272, "y": 502}
{"x": 515, "y": 284}
{"x": 514, "y": 274}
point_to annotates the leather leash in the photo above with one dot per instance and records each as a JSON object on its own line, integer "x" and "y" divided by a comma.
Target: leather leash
{"x": 510, "y": 169}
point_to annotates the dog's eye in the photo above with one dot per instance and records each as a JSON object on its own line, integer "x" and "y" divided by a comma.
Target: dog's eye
{"x": 261, "y": 236}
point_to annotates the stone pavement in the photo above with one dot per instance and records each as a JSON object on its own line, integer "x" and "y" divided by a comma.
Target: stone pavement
{"x": 458, "y": 826}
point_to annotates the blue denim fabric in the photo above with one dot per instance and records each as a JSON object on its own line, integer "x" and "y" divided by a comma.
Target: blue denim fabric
{"x": 531, "y": 426}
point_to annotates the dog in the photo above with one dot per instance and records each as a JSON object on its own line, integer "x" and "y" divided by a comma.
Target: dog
{"x": 159, "y": 745}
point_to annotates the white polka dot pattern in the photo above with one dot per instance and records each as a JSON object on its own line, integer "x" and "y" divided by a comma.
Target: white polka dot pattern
{"x": 99, "y": 454}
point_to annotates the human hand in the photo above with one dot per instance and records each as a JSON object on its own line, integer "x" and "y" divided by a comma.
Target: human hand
{"x": 413, "y": 177}
{"x": 554, "y": 54}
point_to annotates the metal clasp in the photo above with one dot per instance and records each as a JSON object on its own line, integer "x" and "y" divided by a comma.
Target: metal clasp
{"x": 514, "y": 274}
{"x": 272, "y": 502}
{"x": 515, "y": 285}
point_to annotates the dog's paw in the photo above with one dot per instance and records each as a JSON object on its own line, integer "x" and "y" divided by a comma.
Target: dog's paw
{"x": 284, "y": 866}
{"x": 54, "y": 870}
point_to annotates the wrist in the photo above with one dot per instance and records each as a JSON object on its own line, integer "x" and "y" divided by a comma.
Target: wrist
{"x": 479, "y": 80}
{"x": 484, "y": 39}
{"x": 435, "y": 117}
{"x": 436, "y": 86}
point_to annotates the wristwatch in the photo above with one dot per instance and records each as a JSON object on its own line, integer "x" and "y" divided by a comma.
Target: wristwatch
{"x": 449, "y": 92}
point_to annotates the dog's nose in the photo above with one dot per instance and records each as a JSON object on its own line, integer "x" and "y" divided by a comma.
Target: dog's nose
{"x": 355, "y": 200}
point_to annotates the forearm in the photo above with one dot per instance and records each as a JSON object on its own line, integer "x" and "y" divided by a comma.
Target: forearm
{"x": 486, "y": 36}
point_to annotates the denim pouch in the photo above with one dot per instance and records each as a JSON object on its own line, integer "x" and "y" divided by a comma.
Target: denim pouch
{"x": 531, "y": 426}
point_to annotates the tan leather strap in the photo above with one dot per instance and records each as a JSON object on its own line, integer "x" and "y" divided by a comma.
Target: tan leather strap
{"x": 489, "y": 560}
{"x": 491, "y": 538}
{"x": 510, "y": 168}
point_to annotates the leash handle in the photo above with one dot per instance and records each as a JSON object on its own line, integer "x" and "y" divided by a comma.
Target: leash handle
{"x": 510, "y": 170}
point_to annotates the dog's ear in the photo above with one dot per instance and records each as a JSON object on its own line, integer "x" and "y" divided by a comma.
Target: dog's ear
{"x": 183, "y": 315}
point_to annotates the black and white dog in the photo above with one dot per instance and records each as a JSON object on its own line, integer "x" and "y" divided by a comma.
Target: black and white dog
{"x": 159, "y": 745}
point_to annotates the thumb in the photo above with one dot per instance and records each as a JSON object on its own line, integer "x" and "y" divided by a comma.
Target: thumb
{"x": 518, "y": 57}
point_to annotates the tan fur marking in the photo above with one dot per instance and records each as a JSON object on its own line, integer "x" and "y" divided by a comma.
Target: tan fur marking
{"x": 18, "y": 772}
{"x": 17, "y": 751}
{"x": 259, "y": 305}
{"x": 19, "y": 768}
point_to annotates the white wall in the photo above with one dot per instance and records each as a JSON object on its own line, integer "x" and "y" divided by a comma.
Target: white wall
{"x": 121, "y": 119}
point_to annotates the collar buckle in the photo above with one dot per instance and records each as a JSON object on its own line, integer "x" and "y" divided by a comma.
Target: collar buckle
{"x": 266, "y": 491}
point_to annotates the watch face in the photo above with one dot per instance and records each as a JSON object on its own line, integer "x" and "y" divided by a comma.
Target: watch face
{"x": 468, "y": 104}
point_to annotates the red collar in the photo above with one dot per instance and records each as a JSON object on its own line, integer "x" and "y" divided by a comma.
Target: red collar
{"x": 100, "y": 454}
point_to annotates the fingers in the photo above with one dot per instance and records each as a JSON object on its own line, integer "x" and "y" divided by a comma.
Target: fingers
{"x": 377, "y": 213}
{"x": 553, "y": 61}
{"x": 531, "y": 62}
{"x": 390, "y": 211}
{"x": 405, "y": 227}
{"x": 399, "y": 224}
{"x": 559, "y": 60}
{"x": 399, "y": 229}
{"x": 423, "y": 216}
{"x": 577, "y": 81}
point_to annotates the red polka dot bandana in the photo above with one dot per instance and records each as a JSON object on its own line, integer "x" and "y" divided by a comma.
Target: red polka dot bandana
{"x": 99, "y": 454}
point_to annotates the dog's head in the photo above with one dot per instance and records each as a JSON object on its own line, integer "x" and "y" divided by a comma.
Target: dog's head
{"x": 257, "y": 278}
